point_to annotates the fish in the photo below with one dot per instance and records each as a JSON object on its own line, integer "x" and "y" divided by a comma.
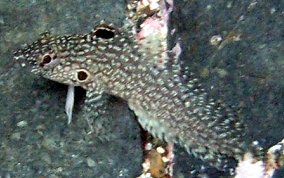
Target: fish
{"x": 169, "y": 101}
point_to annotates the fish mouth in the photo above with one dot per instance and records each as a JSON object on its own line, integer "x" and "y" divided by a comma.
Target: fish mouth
{"x": 20, "y": 57}
{"x": 25, "y": 60}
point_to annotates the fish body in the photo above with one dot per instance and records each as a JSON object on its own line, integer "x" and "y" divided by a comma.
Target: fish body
{"x": 168, "y": 103}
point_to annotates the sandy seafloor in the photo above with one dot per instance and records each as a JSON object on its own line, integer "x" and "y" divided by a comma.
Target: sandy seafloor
{"x": 35, "y": 140}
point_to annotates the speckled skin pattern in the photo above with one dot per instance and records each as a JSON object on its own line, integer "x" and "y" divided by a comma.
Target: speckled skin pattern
{"x": 169, "y": 103}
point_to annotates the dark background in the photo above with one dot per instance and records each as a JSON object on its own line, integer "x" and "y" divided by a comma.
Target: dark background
{"x": 35, "y": 140}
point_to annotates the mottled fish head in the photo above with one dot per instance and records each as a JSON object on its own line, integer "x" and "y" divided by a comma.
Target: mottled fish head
{"x": 72, "y": 59}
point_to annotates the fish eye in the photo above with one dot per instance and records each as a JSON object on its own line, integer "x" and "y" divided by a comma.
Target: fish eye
{"x": 104, "y": 33}
{"x": 46, "y": 59}
{"x": 82, "y": 75}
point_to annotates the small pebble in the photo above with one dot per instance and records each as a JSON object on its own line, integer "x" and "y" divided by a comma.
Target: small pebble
{"x": 91, "y": 162}
{"x": 22, "y": 123}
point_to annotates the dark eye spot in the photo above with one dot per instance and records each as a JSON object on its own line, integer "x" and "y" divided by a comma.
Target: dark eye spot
{"x": 46, "y": 59}
{"x": 82, "y": 75}
{"x": 104, "y": 33}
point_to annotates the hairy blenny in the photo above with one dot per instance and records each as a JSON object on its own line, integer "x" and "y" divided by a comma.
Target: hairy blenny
{"x": 170, "y": 104}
